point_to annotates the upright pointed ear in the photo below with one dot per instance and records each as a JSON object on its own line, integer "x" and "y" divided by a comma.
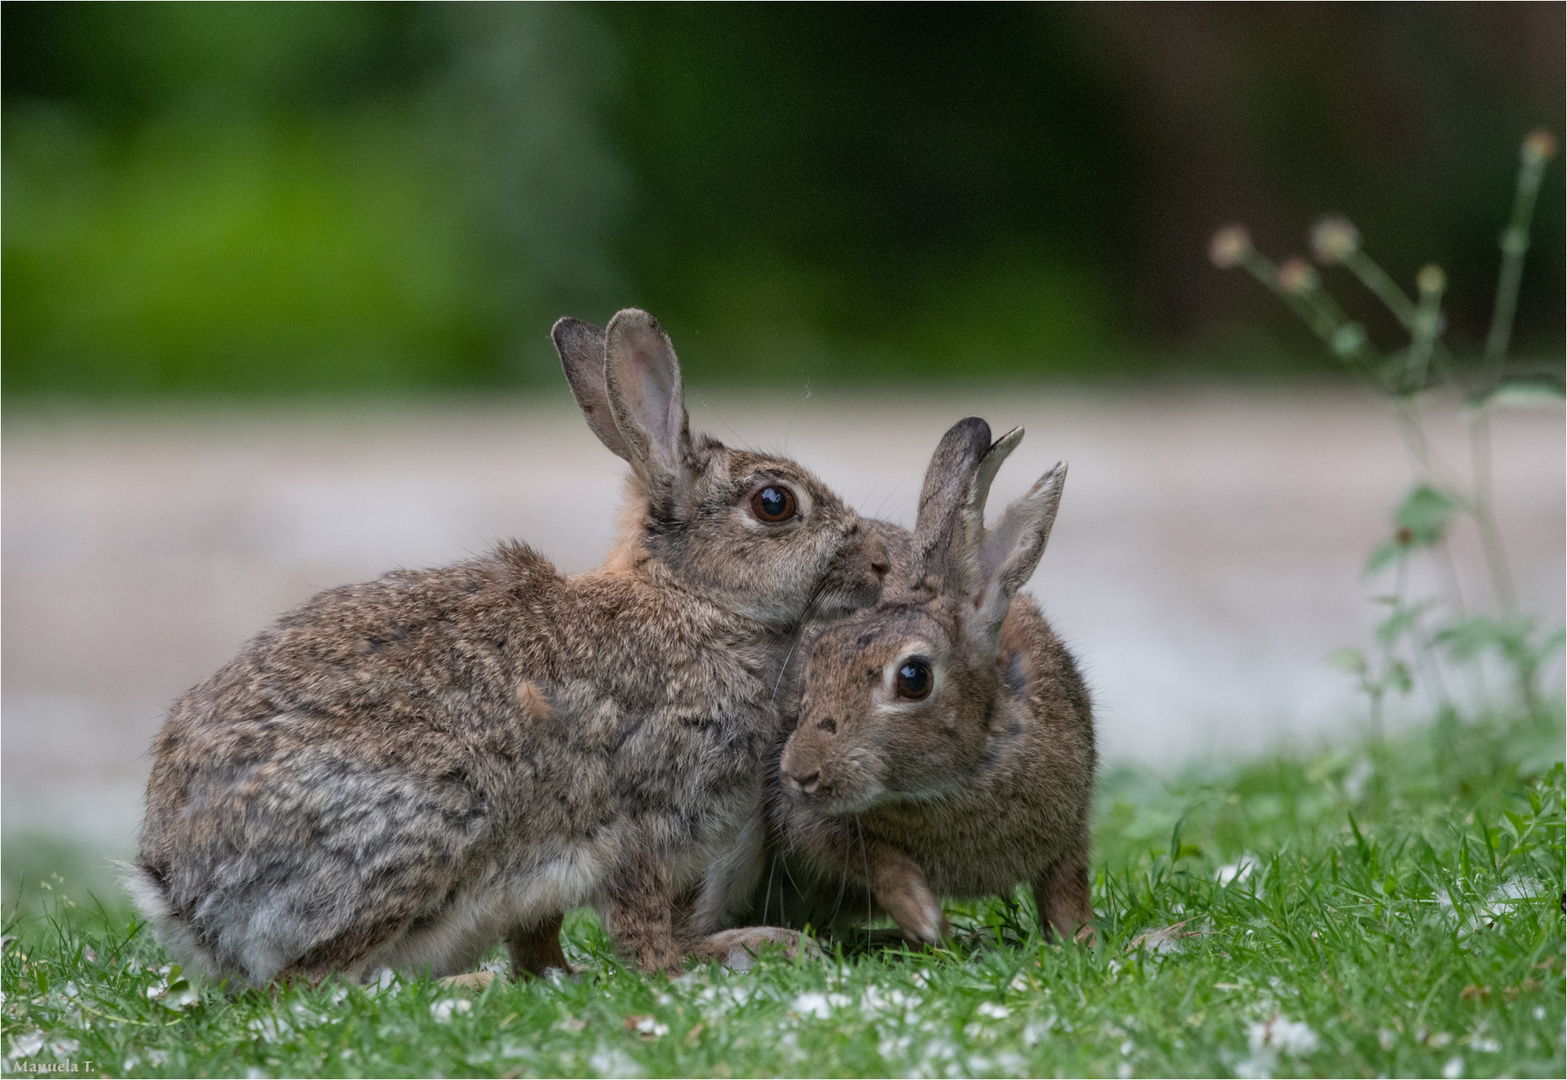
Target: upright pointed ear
{"x": 642, "y": 382}
{"x": 1009, "y": 552}
{"x": 946, "y": 487}
{"x": 581, "y": 348}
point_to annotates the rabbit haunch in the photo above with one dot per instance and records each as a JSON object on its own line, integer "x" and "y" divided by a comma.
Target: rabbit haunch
{"x": 975, "y": 776}
{"x": 406, "y": 772}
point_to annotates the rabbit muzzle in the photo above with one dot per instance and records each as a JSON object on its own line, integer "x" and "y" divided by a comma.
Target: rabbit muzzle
{"x": 829, "y": 781}
{"x": 855, "y": 578}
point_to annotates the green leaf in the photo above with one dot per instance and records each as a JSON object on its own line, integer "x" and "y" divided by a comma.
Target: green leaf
{"x": 1388, "y": 551}
{"x": 1347, "y": 659}
{"x": 1424, "y": 513}
{"x": 1400, "y": 622}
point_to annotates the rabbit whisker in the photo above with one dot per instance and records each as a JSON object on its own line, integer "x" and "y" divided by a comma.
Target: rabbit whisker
{"x": 843, "y": 884}
{"x": 794, "y": 642}
{"x": 738, "y": 440}
{"x": 767, "y": 898}
{"x": 867, "y": 861}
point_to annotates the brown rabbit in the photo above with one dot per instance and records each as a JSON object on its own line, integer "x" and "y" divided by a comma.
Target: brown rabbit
{"x": 942, "y": 742}
{"x": 404, "y": 773}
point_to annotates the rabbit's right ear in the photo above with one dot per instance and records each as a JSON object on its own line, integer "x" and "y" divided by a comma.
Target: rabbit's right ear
{"x": 581, "y": 349}
{"x": 1009, "y": 552}
{"x": 642, "y": 383}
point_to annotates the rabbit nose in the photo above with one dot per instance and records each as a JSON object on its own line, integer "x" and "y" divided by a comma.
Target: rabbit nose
{"x": 876, "y": 551}
{"x": 808, "y": 784}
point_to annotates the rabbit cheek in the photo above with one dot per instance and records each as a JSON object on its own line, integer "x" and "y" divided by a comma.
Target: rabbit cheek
{"x": 856, "y": 576}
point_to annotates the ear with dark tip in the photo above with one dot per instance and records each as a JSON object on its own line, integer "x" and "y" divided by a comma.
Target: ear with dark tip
{"x": 581, "y": 348}
{"x": 946, "y": 487}
{"x": 642, "y": 382}
{"x": 1009, "y": 552}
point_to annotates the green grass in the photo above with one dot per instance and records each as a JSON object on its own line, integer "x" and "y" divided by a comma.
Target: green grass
{"x": 1386, "y": 910}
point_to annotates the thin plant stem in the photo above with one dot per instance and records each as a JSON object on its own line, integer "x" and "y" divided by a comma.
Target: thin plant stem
{"x": 1515, "y": 242}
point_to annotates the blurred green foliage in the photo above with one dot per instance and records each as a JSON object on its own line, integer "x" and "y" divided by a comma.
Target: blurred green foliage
{"x": 244, "y": 198}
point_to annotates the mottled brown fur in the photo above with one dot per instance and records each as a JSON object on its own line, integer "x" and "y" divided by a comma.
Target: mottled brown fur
{"x": 883, "y": 804}
{"x": 407, "y": 771}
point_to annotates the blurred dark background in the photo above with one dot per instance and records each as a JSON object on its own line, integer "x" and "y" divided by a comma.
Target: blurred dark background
{"x": 285, "y": 198}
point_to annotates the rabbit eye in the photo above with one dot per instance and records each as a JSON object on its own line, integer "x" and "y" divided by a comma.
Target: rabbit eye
{"x": 773, "y": 504}
{"x": 914, "y": 679}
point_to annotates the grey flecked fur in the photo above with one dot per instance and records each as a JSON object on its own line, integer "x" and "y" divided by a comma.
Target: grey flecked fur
{"x": 405, "y": 772}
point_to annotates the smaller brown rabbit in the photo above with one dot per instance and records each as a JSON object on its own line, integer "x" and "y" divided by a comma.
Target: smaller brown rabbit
{"x": 942, "y": 741}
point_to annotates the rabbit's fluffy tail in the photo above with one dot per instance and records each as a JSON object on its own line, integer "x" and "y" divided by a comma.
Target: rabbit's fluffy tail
{"x": 172, "y": 932}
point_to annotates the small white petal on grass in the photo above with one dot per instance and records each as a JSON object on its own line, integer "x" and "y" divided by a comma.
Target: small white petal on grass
{"x": 1285, "y": 1036}
{"x": 444, "y": 1009}
{"x": 1166, "y": 939}
{"x": 1239, "y": 870}
{"x": 27, "y": 1045}
{"x": 268, "y": 1028}
{"x": 818, "y": 1005}
{"x": 1011, "y": 1062}
{"x": 651, "y": 1028}
{"x": 1453, "y": 1069}
{"x": 1036, "y": 1032}
{"x": 992, "y": 1010}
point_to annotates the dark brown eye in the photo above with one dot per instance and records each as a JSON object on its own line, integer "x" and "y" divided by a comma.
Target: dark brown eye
{"x": 914, "y": 679}
{"x": 773, "y": 503}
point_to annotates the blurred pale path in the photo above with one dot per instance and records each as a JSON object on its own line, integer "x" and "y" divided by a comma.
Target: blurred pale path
{"x": 1207, "y": 556}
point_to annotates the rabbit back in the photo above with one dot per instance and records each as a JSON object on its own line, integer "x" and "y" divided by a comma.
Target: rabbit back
{"x": 398, "y": 771}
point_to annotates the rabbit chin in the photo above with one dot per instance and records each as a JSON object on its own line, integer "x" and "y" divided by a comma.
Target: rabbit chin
{"x": 839, "y": 598}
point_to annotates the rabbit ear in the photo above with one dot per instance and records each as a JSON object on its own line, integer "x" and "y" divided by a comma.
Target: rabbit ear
{"x": 642, "y": 383}
{"x": 946, "y": 487}
{"x": 581, "y": 348}
{"x": 1008, "y": 553}
{"x": 952, "y": 541}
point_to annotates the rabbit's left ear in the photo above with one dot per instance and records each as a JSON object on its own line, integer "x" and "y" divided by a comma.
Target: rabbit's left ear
{"x": 944, "y": 536}
{"x": 1008, "y": 554}
{"x": 642, "y": 385}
